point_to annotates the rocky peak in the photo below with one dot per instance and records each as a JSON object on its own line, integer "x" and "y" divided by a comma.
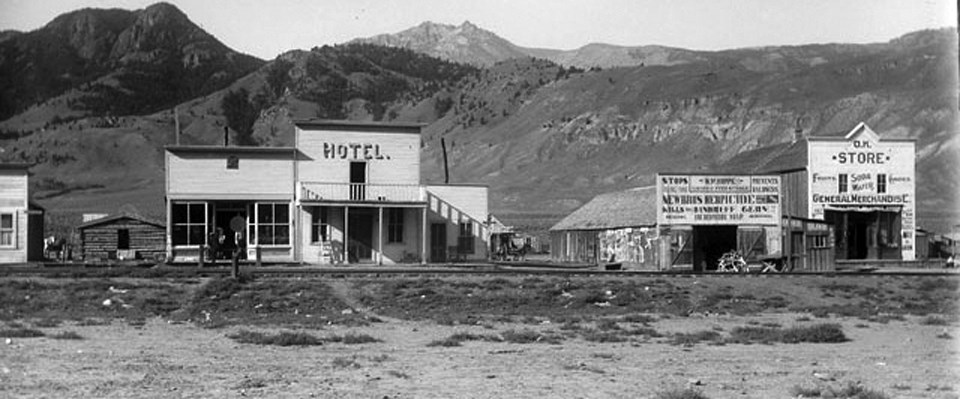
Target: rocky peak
{"x": 466, "y": 43}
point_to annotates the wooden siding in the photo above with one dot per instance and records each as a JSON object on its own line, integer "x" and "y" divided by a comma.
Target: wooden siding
{"x": 461, "y": 204}
{"x": 793, "y": 193}
{"x": 100, "y": 241}
{"x": 471, "y": 200}
{"x": 573, "y": 246}
{"x": 13, "y": 189}
{"x": 206, "y": 174}
{"x": 395, "y": 159}
{"x": 13, "y": 200}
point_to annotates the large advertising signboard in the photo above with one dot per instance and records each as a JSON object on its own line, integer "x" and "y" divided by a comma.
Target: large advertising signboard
{"x": 718, "y": 199}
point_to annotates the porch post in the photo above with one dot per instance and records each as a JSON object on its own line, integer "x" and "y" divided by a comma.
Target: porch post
{"x": 423, "y": 237}
{"x": 346, "y": 235}
{"x": 380, "y": 237}
{"x": 169, "y": 229}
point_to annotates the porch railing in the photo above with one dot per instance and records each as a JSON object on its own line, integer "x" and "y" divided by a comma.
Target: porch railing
{"x": 317, "y": 191}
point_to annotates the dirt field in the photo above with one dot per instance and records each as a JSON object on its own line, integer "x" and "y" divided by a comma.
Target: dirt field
{"x": 595, "y": 351}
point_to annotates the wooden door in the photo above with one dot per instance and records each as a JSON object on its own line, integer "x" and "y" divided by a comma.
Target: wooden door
{"x": 438, "y": 242}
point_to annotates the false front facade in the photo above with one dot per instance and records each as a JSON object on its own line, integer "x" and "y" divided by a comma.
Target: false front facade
{"x": 347, "y": 192}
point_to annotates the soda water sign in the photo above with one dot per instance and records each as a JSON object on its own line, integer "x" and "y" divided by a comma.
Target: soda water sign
{"x": 718, "y": 200}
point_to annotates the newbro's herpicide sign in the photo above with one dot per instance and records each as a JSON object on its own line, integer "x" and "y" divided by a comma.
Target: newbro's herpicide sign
{"x": 718, "y": 200}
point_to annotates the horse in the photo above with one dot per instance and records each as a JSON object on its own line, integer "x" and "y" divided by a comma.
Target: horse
{"x": 55, "y": 245}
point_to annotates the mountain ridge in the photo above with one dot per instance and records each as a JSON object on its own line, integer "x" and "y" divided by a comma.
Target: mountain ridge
{"x": 545, "y": 137}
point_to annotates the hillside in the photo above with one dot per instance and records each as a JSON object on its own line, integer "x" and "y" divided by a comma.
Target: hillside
{"x": 545, "y": 137}
{"x": 95, "y": 62}
{"x": 610, "y": 129}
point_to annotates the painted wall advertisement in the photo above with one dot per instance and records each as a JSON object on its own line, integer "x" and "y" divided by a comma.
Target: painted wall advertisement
{"x": 865, "y": 174}
{"x": 718, "y": 200}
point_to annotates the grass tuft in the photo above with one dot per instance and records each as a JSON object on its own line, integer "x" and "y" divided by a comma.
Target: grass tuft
{"x": 284, "y": 338}
{"x": 818, "y": 333}
{"x": 686, "y": 393}
{"x": 690, "y": 339}
{"x": 529, "y": 337}
{"x": 67, "y": 335}
{"x": 934, "y": 321}
{"x": 354, "y": 339}
{"x": 20, "y": 333}
{"x": 47, "y": 323}
{"x": 345, "y": 363}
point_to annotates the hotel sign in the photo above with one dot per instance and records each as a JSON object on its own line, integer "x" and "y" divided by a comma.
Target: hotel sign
{"x": 718, "y": 200}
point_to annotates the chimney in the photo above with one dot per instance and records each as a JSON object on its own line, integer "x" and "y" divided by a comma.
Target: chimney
{"x": 446, "y": 169}
{"x": 176, "y": 120}
{"x": 226, "y": 136}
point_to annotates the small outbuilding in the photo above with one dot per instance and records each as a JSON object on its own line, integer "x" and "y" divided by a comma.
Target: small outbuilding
{"x": 613, "y": 228}
{"x": 122, "y": 237}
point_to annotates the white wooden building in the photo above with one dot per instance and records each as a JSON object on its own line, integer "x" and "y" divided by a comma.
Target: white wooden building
{"x": 347, "y": 192}
{"x": 21, "y": 223}
{"x": 862, "y": 184}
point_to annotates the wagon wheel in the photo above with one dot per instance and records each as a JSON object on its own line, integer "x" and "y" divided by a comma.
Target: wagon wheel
{"x": 731, "y": 262}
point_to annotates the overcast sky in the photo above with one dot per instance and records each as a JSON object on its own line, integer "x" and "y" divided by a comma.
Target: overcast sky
{"x": 267, "y": 28}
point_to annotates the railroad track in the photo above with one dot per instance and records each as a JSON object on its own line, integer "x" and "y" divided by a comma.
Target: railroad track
{"x": 380, "y": 271}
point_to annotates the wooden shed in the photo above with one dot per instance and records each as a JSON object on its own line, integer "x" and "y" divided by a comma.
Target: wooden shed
{"x": 122, "y": 237}
{"x": 613, "y": 228}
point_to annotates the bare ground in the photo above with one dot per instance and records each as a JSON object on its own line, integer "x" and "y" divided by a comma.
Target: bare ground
{"x": 903, "y": 358}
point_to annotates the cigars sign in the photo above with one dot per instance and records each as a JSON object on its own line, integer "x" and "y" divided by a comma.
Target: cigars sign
{"x": 718, "y": 199}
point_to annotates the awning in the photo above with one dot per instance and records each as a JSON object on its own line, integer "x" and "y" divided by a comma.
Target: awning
{"x": 863, "y": 208}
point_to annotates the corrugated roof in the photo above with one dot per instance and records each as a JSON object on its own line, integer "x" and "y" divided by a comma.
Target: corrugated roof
{"x": 630, "y": 208}
{"x": 96, "y": 222}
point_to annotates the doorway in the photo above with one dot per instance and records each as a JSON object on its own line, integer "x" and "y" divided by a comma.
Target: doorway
{"x": 857, "y": 234}
{"x": 223, "y": 239}
{"x": 360, "y": 241}
{"x": 358, "y": 181}
{"x": 710, "y": 243}
{"x": 438, "y": 242}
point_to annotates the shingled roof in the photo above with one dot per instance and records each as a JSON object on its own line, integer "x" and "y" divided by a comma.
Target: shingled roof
{"x": 108, "y": 219}
{"x": 630, "y": 208}
{"x": 783, "y": 157}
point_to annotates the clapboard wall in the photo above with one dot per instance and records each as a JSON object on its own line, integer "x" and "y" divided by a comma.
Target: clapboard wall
{"x": 13, "y": 202}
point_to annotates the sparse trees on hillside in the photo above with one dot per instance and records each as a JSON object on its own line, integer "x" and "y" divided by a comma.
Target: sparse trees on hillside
{"x": 242, "y": 113}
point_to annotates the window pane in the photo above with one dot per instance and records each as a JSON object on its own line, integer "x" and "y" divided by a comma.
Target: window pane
{"x": 196, "y": 235}
{"x": 6, "y": 221}
{"x": 179, "y": 213}
{"x": 281, "y": 235}
{"x": 264, "y": 213}
{"x": 281, "y": 213}
{"x": 197, "y": 213}
{"x": 6, "y": 238}
{"x": 179, "y": 235}
{"x": 265, "y": 235}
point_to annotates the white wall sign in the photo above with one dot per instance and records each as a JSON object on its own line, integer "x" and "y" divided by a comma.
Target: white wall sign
{"x": 718, "y": 200}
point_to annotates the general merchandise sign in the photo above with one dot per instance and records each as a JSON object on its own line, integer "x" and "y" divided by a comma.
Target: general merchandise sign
{"x": 718, "y": 199}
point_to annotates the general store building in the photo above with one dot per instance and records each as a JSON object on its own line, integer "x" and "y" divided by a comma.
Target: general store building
{"x": 861, "y": 184}
{"x": 346, "y": 192}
